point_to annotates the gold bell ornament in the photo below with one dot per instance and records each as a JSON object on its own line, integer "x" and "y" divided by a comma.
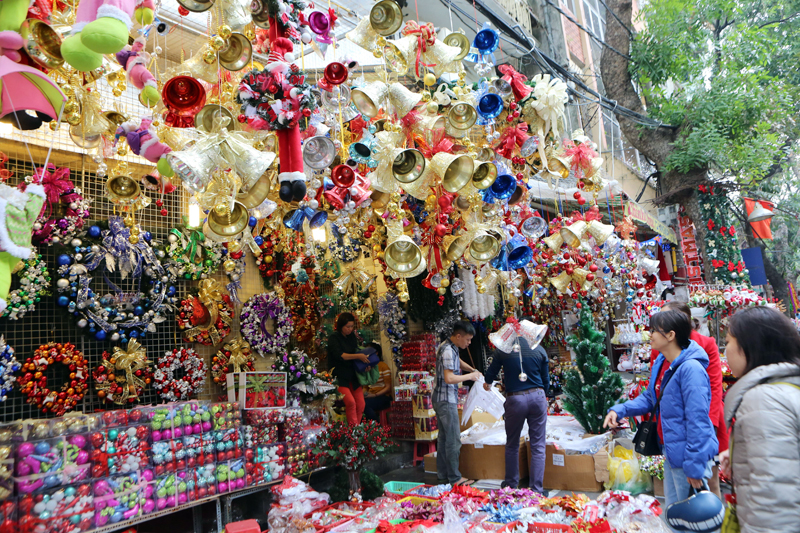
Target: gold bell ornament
{"x": 573, "y": 234}
{"x": 460, "y": 118}
{"x": 249, "y": 163}
{"x": 457, "y": 39}
{"x": 402, "y": 255}
{"x": 402, "y": 99}
{"x": 554, "y": 241}
{"x": 601, "y": 232}
{"x": 561, "y": 282}
{"x": 454, "y": 170}
{"x": 430, "y": 127}
{"x": 42, "y": 43}
{"x": 421, "y": 188}
{"x": 364, "y": 35}
{"x": 443, "y": 58}
{"x": 483, "y": 248}
{"x": 484, "y": 175}
{"x": 233, "y": 13}
{"x": 385, "y": 17}
{"x": 255, "y": 196}
{"x": 455, "y": 246}
{"x": 115, "y": 119}
{"x": 212, "y": 115}
{"x": 408, "y": 166}
{"x": 579, "y": 276}
{"x": 399, "y": 53}
{"x": 237, "y": 53}
{"x": 369, "y": 98}
{"x": 225, "y": 223}
{"x": 196, "y": 6}
{"x": 89, "y": 132}
{"x": 121, "y": 189}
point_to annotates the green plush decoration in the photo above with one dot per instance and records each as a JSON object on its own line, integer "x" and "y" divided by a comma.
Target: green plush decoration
{"x": 78, "y": 56}
{"x": 105, "y": 35}
{"x": 12, "y": 14}
{"x": 150, "y": 95}
{"x": 144, "y": 16}
{"x": 7, "y": 264}
{"x": 371, "y": 485}
{"x": 340, "y": 491}
{"x": 163, "y": 166}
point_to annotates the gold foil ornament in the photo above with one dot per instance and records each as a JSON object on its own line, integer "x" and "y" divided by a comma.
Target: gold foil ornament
{"x": 402, "y": 99}
{"x": 363, "y": 35}
{"x": 573, "y": 234}
{"x": 210, "y": 295}
{"x": 601, "y": 232}
{"x": 399, "y": 53}
{"x": 369, "y": 98}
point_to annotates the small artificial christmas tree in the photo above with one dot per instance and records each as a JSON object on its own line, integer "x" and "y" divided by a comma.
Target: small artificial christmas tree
{"x": 591, "y": 387}
{"x": 722, "y": 243}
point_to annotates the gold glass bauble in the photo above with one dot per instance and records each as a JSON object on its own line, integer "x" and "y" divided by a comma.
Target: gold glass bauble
{"x": 229, "y": 265}
{"x": 209, "y": 56}
{"x": 217, "y": 43}
{"x": 224, "y": 31}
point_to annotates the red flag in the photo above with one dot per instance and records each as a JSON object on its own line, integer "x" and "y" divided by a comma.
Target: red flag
{"x": 761, "y": 229}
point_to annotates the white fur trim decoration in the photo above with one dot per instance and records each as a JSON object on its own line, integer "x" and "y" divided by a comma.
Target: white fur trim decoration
{"x": 115, "y": 13}
{"x": 291, "y": 176}
{"x": 36, "y": 189}
{"x": 3, "y": 305}
{"x": 147, "y": 144}
{"x": 15, "y": 197}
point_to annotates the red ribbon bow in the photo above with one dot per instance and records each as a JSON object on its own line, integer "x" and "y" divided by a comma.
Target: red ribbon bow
{"x": 517, "y": 81}
{"x": 426, "y": 36}
{"x": 581, "y": 157}
{"x": 442, "y": 145}
{"x": 54, "y": 181}
{"x": 511, "y": 138}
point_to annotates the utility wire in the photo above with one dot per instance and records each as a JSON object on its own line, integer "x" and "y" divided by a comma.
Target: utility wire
{"x": 589, "y": 32}
{"x": 627, "y": 28}
{"x": 552, "y": 67}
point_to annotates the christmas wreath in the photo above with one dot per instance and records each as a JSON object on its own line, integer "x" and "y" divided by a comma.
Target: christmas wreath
{"x": 207, "y": 317}
{"x": 8, "y": 366}
{"x": 33, "y": 381}
{"x": 34, "y": 280}
{"x": 65, "y": 209}
{"x": 121, "y": 377}
{"x": 118, "y": 315}
{"x": 255, "y": 314}
{"x": 276, "y": 97}
{"x": 298, "y": 367}
{"x": 194, "y": 256}
{"x": 234, "y": 357}
{"x": 173, "y": 388}
{"x": 279, "y": 251}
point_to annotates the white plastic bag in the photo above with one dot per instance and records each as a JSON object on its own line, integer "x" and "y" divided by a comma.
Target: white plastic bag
{"x": 490, "y": 401}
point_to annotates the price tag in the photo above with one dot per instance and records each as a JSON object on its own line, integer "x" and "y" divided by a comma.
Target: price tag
{"x": 478, "y": 446}
{"x": 558, "y": 460}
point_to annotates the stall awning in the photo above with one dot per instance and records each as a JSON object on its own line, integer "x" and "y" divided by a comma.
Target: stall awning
{"x": 640, "y": 214}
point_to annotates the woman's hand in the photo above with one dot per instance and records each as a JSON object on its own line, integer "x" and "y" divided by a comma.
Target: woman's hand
{"x": 611, "y": 420}
{"x": 364, "y": 358}
{"x": 725, "y": 463}
{"x": 696, "y": 483}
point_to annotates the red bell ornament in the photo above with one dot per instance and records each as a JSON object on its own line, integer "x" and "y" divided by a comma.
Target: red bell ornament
{"x": 184, "y": 97}
{"x": 336, "y": 73}
{"x": 343, "y": 176}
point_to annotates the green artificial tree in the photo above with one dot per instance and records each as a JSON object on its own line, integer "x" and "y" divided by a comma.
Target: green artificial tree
{"x": 591, "y": 387}
{"x": 722, "y": 243}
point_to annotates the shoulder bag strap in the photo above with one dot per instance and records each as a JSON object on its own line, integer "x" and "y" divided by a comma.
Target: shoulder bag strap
{"x": 664, "y": 380}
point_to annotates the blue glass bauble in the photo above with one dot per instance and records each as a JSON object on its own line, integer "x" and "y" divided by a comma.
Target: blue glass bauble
{"x": 94, "y": 231}
{"x": 100, "y": 335}
{"x": 64, "y": 260}
{"x": 138, "y": 310}
{"x": 252, "y": 222}
{"x": 63, "y": 301}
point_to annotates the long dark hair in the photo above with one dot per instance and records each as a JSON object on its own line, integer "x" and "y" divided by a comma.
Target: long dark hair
{"x": 766, "y": 337}
{"x": 343, "y": 319}
{"x": 673, "y": 320}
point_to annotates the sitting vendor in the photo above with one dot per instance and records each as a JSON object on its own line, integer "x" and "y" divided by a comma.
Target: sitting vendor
{"x": 378, "y": 396}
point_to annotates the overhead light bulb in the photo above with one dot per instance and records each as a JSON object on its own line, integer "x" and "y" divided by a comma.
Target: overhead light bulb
{"x": 319, "y": 234}
{"x": 194, "y": 213}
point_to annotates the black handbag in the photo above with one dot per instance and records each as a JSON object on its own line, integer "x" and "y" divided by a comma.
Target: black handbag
{"x": 645, "y": 442}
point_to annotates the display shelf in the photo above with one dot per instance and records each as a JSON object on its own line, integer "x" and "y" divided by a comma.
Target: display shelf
{"x": 160, "y": 514}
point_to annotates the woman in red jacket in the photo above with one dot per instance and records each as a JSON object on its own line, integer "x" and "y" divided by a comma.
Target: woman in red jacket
{"x": 717, "y": 410}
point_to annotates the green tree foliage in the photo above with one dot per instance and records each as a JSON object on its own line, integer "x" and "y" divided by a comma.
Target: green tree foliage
{"x": 591, "y": 387}
{"x": 727, "y": 74}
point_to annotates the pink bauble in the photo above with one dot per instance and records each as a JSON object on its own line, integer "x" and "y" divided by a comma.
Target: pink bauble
{"x": 161, "y": 503}
{"x": 156, "y": 435}
{"x": 147, "y": 475}
{"x": 182, "y": 498}
{"x": 26, "y": 448}
{"x": 78, "y": 440}
{"x": 170, "y": 501}
{"x": 149, "y": 506}
{"x": 187, "y": 430}
{"x": 82, "y": 458}
{"x": 223, "y": 486}
{"x": 166, "y": 434}
{"x": 177, "y": 433}
{"x": 198, "y": 428}
{"x": 240, "y": 483}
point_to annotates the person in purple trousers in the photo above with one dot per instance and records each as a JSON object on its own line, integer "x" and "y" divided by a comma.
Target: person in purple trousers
{"x": 526, "y": 375}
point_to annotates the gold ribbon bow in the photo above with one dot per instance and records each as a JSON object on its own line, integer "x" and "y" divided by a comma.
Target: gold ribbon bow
{"x": 386, "y": 148}
{"x": 129, "y": 360}
{"x": 353, "y": 278}
{"x": 209, "y": 294}
{"x": 238, "y": 358}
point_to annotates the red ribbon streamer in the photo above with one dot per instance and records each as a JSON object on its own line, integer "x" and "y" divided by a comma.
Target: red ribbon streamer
{"x": 511, "y": 138}
{"x": 426, "y": 36}
{"x": 582, "y": 155}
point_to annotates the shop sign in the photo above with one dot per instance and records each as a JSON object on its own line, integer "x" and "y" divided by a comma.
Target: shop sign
{"x": 691, "y": 256}
{"x": 640, "y": 214}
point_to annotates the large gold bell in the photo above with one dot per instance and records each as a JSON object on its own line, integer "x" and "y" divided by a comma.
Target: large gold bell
{"x": 237, "y": 54}
{"x": 408, "y": 166}
{"x": 483, "y": 248}
{"x": 455, "y": 171}
{"x": 385, "y": 17}
{"x": 484, "y": 175}
{"x": 601, "y": 232}
{"x": 42, "y": 43}
{"x": 122, "y": 189}
{"x": 573, "y": 233}
{"x": 225, "y": 223}
{"x": 403, "y": 255}
{"x": 459, "y": 40}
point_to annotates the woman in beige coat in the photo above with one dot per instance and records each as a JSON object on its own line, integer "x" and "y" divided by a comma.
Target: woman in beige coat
{"x": 763, "y": 411}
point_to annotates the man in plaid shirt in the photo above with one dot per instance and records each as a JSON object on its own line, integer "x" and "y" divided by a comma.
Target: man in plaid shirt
{"x": 449, "y": 368}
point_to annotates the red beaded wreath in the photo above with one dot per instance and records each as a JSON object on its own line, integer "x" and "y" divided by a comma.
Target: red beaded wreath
{"x": 33, "y": 382}
{"x": 234, "y": 357}
{"x": 173, "y": 389}
{"x": 194, "y": 318}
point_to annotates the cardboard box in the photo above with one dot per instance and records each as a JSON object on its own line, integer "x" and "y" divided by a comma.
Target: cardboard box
{"x": 489, "y": 462}
{"x": 572, "y": 472}
{"x": 477, "y": 416}
{"x": 658, "y": 485}
{"x": 429, "y": 463}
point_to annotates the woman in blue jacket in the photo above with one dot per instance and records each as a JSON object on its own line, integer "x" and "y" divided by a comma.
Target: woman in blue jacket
{"x": 679, "y": 376}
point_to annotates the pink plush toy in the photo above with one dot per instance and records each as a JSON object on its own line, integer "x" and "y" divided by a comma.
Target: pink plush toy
{"x": 144, "y": 141}
{"x": 134, "y": 60}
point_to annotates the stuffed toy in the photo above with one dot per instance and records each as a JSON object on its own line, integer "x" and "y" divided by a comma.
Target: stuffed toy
{"x": 101, "y": 27}
{"x": 18, "y": 212}
{"x": 134, "y": 60}
{"x": 143, "y": 140}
